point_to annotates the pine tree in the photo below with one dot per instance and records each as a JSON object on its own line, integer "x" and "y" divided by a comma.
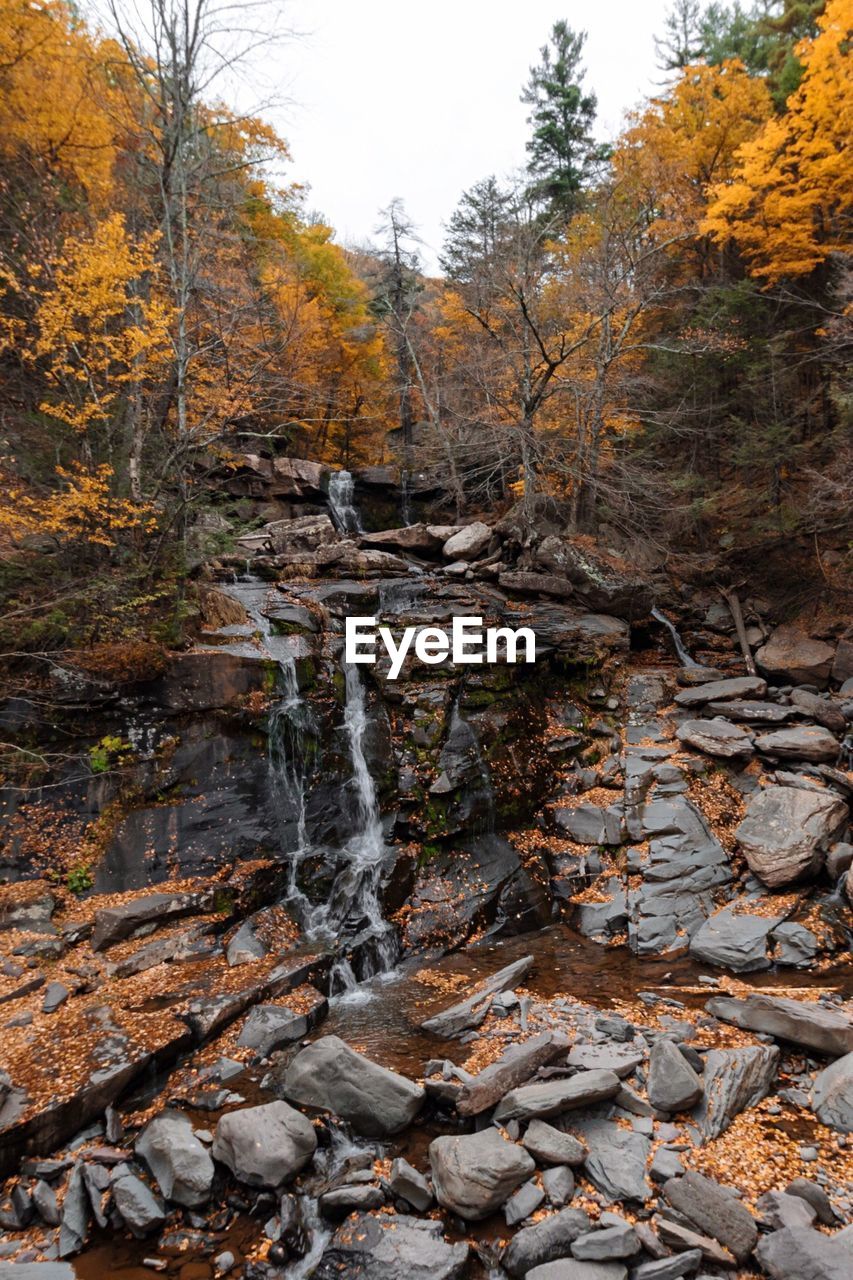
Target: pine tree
{"x": 682, "y": 45}
{"x": 562, "y": 151}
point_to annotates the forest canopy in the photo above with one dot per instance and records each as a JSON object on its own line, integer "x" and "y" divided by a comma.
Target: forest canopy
{"x": 651, "y": 332}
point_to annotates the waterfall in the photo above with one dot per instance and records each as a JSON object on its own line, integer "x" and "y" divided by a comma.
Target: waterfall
{"x": 682, "y": 654}
{"x": 342, "y": 503}
{"x": 405, "y": 498}
{"x": 354, "y": 897}
{"x": 352, "y": 913}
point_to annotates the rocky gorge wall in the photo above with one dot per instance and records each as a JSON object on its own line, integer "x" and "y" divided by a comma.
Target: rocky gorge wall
{"x": 257, "y": 827}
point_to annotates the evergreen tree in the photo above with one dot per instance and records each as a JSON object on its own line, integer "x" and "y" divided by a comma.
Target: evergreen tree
{"x": 561, "y": 151}
{"x": 683, "y": 43}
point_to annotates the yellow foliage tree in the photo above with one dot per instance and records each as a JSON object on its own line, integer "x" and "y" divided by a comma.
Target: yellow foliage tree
{"x": 666, "y": 160}
{"x": 82, "y": 509}
{"x": 788, "y": 206}
{"x": 59, "y": 101}
{"x": 100, "y": 326}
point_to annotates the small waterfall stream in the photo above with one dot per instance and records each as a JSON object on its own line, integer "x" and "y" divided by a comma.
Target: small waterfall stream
{"x": 352, "y": 912}
{"x": 342, "y": 506}
{"x": 681, "y": 652}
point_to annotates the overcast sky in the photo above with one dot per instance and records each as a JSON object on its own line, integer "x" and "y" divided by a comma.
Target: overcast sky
{"x": 420, "y": 98}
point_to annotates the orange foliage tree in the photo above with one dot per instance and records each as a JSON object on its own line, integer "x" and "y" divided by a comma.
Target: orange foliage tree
{"x": 787, "y": 205}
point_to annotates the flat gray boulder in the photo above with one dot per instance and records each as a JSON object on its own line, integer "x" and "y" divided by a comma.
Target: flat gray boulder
{"x": 717, "y": 737}
{"x": 801, "y": 1253}
{"x": 472, "y": 1011}
{"x": 607, "y": 1244}
{"x": 801, "y": 742}
{"x": 552, "y": 1146}
{"x": 265, "y": 1146}
{"x": 396, "y": 1247}
{"x": 544, "y": 1242}
{"x": 474, "y": 1174}
{"x": 181, "y": 1165}
{"x": 37, "y": 1271}
{"x": 617, "y": 1159}
{"x": 269, "y": 1026}
{"x": 554, "y": 1097}
{"x": 722, "y": 691}
{"x": 672, "y": 1084}
{"x": 805, "y": 1022}
{"x": 787, "y": 830}
{"x": 734, "y": 939}
{"x": 570, "y": 1269}
{"x": 517, "y": 1064}
{"x": 330, "y": 1076}
{"x": 113, "y": 924}
{"x": 715, "y": 1211}
{"x": 832, "y": 1094}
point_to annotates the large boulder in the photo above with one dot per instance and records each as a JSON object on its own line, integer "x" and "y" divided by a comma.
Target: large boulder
{"x": 715, "y": 1211}
{"x": 545, "y": 1241}
{"x": 812, "y": 1025}
{"x": 733, "y": 1080}
{"x": 801, "y": 1253}
{"x": 736, "y": 939}
{"x": 555, "y": 1097}
{"x": 672, "y": 1084}
{"x": 179, "y": 1162}
{"x": 793, "y": 657}
{"x": 331, "y": 1076}
{"x": 799, "y": 742}
{"x": 265, "y": 1146}
{"x": 787, "y": 830}
{"x": 617, "y": 1159}
{"x": 305, "y": 533}
{"x": 717, "y": 737}
{"x": 517, "y": 1064}
{"x": 722, "y": 691}
{"x": 471, "y": 1011}
{"x": 113, "y": 924}
{"x": 141, "y": 1210}
{"x": 473, "y": 1174}
{"x": 469, "y": 543}
{"x": 595, "y": 578}
{"x": 832, "y": 1094}
{"x": 393, "y": 1247}
{"x": 298, "y": 478}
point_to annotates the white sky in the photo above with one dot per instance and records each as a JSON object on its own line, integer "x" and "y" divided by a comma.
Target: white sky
{"x": 420, "y": 98}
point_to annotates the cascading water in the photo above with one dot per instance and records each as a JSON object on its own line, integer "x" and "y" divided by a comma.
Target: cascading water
{"x": 405, "y": 498}
{"x": 342, "y": 506}
{"x": 681, "y": 652}
{"x": 354, "y": 897}
{"x": 352, "y": 912}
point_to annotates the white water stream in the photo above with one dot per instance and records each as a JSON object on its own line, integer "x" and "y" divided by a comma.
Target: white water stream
{"x": 342, "y": 506}
{"x": 352, "y": 912}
